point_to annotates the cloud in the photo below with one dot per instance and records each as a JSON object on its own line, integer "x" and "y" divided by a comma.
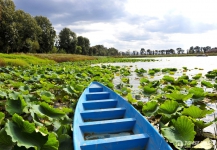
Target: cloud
{"x": 178, "y": 24}
{"x": 70, "y": 11}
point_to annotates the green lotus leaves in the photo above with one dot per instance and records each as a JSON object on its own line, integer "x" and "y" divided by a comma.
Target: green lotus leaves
{"x": 131, "y": 99}
{"x": 207, "y": 84}
{"x": 169, "y": 108}
{"x": 193, "y": 83}
{"x": 182, "y": 130}
{"x": 46, "y": 95}
{"x": 6, "y": 142}
{"x": 14, "y": 95}
{"x": 177, "y": 95}
{"x": 69, "y": 90}
{"x": 23, "y": 133}
{"x": 150, "y": 108}
{"x": 168, "y": 79}
{"x": 47, "y": 110}
{"x": 144, "y": 81}
{"x": 2, "y": 116}
{"x": 196, "y": 112}
{"x": 65, "y": 142}
{"x": 52, "y": 142}
{"x": 149, "y": 90}
{"x": 16, "y": 106}
{"x": 200, "y": 124}
{"x": 197, "y": 92}
{"x": 197, "y": 76}
{"x": 3, "y": 95}
{"x": 125, "y": 80}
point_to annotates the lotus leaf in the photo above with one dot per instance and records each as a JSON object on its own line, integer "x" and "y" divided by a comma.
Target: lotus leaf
{"x": 131, "y": 99}
{"x": 47, "y": 110}
{"x": 215, "y": 86}
{"x": 176, "y": 95}
{"x": 52, "y": 142}
{"x": 16, "y": 106}
{"x": 149, "y": 90}
{"x": 14, "y": 95}
{"x": 3, "y": 95}
{"x": 181, "y": 131}
{"x": 200, "y": 124}
{"x": 193, "y": 83}
{"x": 65, "y": 142}
{"x": 196, "y": 112}
{"x": 197, "y": 76}
{"x": 125, "y": 80}
{"x": 2, "y": 116}
{"x": 24, "y": 133}
{"x": 197, "y": 92}
{"x": 169, "y": 108}
{"x": 150, "y": 108}
{"x": 168, "y": 79}
{"x": 207, "y": 84}
{"x": 6, "y": 142}
{"x": 144, "y": 81}
{"x": 151, "y": 72}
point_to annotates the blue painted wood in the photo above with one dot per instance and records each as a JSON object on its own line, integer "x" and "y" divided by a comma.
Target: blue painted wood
{"x": 101, "y": 111}
{"x": 103, "y": 114}
{"x": 110, "y": 103}
{"x": 132, "y": 142}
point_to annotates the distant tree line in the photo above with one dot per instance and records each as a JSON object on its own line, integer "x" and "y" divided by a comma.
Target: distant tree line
{"x": 191, "y": 50}
{"x": 21, "y": 32}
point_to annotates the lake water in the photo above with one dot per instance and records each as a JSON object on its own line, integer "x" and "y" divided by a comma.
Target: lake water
{"x": 200, "y": 64}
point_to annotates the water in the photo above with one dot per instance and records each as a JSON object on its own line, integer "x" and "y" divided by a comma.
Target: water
{"x": 195, "y": 65}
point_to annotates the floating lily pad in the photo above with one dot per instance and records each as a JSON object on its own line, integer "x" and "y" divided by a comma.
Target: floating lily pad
{"x": 177, "y": 95}
{"x": 181, "y": 131}
{"x": 207, "y": 84}
{"x": 169, "y": 108}
{"x": 197, "y": 92}
{"x": 150, "y": 108}
{"x": 196, "y": 112}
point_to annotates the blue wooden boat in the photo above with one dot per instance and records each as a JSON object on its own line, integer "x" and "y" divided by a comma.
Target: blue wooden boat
{"x": 105, "y": 121}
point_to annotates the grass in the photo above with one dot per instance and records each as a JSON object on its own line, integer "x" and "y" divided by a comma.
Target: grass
{"x": 22, "y": 60}
{"x": 64, "y": 57}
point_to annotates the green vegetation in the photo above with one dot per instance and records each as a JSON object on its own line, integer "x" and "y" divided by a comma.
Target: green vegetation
{"x": 38, "y": 102}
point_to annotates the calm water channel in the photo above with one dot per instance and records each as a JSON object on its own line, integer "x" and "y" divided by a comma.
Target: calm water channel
{"x": 200, "y": 64}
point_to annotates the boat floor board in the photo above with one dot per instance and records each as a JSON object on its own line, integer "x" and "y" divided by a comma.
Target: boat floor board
{"x": 109, "y": 103}
{"x": 108, "y": 126}
{"x": 97, "y": 96}
{"x": 103, "y": 114}
{"x": 130, "y": 142}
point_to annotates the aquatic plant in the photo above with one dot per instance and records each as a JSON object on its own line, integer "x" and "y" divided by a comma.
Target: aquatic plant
{"x": 182, "y": 130}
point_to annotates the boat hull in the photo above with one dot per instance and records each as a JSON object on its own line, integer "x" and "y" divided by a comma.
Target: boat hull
{"x": 106, "y": 121}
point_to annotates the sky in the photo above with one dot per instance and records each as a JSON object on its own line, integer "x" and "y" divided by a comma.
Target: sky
{"x": 132, "y": 24}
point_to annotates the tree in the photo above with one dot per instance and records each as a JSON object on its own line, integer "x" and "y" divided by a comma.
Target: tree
{"x": 47, "y": 37}
{"x": 142, "y": 51}
{"x": 84, "y": 43}
{"x": 191, "y": 50}
{"x": 28, "y": 32}
{"x": 112, "y": 52}
{"x": 7, "y": 26}
{"x": 197, "y": 49}
{"x": 180, "y": 50}
{"x": 68, "y": 40}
